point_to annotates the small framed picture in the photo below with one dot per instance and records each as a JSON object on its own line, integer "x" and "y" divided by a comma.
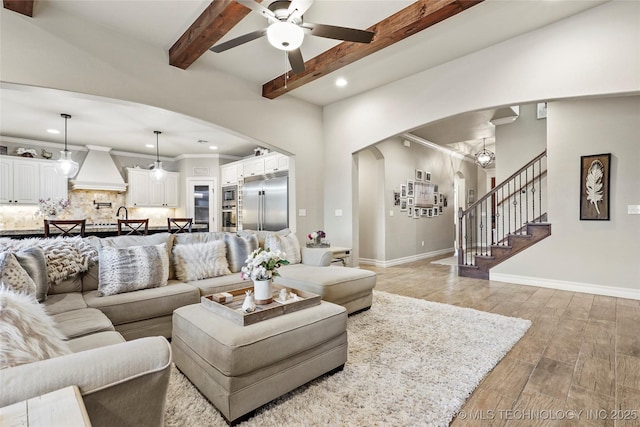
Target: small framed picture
{"x": 419, "y": 175}
{"x": 429, "y": 212}
{"x": 416, "y": 213}
{"x": 410, "y": 211}
{"x": 409, "y": 201}
{"x": 403, "y": 190}
{"x": 439, "y": 210}
{"x": 436, "y": 198}
{"x": 410, "y": 187}
{"x": 424, "y": 211}
{"x": 403, "y": 205}
{"x": 427, "y": 176}
{"x": 396, "y": 198}
{"x": 440, "y": 198}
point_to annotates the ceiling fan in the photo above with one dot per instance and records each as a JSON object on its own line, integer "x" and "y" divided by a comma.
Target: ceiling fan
{"x": 286, "y": 30}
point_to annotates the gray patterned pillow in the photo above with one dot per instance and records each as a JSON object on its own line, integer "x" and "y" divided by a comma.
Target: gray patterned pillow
{"x": 288, "y": 244}
{"x": 13, "y": 276}
{"x": 35, "y": 264}
{"x": 238, "y": 249}
{"x": 133, "y": 268}
{"x": 200, "y": 260}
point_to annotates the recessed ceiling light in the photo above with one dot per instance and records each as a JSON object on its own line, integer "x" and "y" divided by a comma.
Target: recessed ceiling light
{"x": 53, "y": 131}
{"x": 213, "y": 147}
{"x": 149, "y": 145}
{"x": 341, "y": 82}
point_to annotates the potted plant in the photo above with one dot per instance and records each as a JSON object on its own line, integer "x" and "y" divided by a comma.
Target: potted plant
{"x": 262, "y": 266}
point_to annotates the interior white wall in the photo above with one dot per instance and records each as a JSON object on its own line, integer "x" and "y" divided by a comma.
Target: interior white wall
{"x": 56, "y": 50}
{"x": 588, "y": 255}
{"x": 554, "y": 62}
{"x": 369, "y": 203}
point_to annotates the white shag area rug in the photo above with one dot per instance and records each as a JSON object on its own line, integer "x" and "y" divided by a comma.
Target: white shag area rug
{"x": 411, "y": 362}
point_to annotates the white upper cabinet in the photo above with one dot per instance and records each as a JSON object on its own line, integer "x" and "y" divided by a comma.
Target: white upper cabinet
{"x": 253, "y": 167}
{"x": 229, "y": 174}
{"x": 25, "y": 181}
{"x": 276, "y": 162}
{"x": 145, "y": 191}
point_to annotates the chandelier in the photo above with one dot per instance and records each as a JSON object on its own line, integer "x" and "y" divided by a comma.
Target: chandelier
{"x": 484, "y": 157}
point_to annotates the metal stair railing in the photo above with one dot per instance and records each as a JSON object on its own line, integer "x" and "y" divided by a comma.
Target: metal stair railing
{"x": 504, "y": 210}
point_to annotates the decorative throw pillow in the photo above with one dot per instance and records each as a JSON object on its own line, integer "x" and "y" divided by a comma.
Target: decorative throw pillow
{"x": 200, "y": 260}
{"x": 27, "y": 333}
{"x": 133, "y": 268}
{"x": 13, "y": 276}
{"x": 288, "y": 244}
{"x": 238, "y": 249}
{"x": 35, "y": 264}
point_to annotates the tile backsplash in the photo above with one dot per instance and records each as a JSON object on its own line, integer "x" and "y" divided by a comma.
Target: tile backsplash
{"x": 82, "y": 206}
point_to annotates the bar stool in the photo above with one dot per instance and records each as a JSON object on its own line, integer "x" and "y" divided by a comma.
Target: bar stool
{"x": 133, "y": 227}
{"x": 179, "y": 225}
{"x": 64, "y": 227}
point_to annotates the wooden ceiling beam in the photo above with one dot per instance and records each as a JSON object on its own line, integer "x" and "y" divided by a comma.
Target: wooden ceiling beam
{"x": 24, "y": 7}
{"x": 216, "y": 20}
{"x": 414, "y": 18}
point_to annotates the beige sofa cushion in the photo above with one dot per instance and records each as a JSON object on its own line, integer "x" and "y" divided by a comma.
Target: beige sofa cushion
{"x": 59, "y": 303}
{"x": 288, "y": 244}
{"x": 144, "y": 304}
{"x": 85, "y": 321}
{"x": 13, "y": 276}
{"x": 335, "y": 284}
{"x": 220, "y": 284}
{"x": 99, "y": 339}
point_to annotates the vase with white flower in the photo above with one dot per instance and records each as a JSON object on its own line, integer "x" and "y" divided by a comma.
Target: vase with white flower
{"x": 261, "y": 266}
{"x": 316, "y": 237}
{"x": 50, "y": 209}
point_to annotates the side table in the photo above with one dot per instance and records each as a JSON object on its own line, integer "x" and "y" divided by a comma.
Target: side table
{"x": 63, "y": 407}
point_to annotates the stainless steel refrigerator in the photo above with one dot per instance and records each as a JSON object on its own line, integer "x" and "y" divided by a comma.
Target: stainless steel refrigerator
{"x": 265, "y": 204}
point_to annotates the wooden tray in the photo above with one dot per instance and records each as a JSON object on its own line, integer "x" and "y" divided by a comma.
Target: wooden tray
{"x": 233, "y": 310}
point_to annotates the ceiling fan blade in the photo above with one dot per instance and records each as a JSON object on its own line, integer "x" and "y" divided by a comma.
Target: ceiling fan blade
{"x": 258, "y": 8}
{"x": 297, "y": 8}
{"x": 339, "y": 33}
{"x": 296, "y": 61}
{"x": 238, "y": 41}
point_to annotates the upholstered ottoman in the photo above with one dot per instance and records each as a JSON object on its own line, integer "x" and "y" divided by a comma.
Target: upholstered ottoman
{"x": 240, "y": 368}
{"x": 349, "y": 287}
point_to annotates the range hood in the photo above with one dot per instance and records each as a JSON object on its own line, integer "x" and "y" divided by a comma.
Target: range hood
{"x": 98, "y": 172}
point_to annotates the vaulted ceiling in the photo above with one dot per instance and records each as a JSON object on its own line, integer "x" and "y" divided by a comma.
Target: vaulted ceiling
{"x": 411, "y": 36}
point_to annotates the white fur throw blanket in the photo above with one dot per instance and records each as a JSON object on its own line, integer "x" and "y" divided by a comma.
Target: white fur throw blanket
{"x": 66, "y": 256}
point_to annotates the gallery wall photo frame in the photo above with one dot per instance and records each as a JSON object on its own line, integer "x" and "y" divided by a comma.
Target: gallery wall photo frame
{"x": 595, "y": 187}
{"x": 410, "y": 187}
{"x": 419, "y": 174}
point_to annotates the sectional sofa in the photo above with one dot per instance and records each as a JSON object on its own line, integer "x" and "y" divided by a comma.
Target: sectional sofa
{"x": 114, "y": 330}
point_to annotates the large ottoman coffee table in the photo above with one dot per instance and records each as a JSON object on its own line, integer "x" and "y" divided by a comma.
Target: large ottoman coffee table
{"x": 240, "y": 368}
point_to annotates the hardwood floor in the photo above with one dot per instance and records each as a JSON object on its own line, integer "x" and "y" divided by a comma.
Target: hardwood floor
{"x": 578, "y": 364}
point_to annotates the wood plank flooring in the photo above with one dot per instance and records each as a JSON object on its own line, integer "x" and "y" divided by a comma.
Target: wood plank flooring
{"x": 578, "y": 364}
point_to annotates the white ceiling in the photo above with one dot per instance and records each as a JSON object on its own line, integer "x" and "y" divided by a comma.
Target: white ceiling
{"x": 161, "y": 22}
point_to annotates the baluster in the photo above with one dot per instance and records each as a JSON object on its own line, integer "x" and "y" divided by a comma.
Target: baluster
{"x": 515, "y": 208}
{"x": 520, "y": 197}
{"x": 526, "y": 193}
{"x": 508, "y": 206}
{"x": 540, "y": 187}
{"x": 502, "y": 236}
{"x": 533, "y": 191}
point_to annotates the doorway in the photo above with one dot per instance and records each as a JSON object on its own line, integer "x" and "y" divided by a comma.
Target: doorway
{"x": 459, "y": 202}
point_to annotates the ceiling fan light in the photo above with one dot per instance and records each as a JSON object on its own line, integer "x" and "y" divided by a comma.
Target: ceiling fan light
{"x": 285, "y": 35}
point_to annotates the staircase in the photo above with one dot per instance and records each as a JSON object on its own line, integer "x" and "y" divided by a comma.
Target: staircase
{"x": 506, "y": 221}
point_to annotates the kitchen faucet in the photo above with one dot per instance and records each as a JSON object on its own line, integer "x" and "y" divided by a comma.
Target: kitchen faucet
{"x": 126, "y": 212}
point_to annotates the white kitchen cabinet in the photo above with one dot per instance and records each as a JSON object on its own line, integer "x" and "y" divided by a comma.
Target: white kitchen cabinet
{"x": 253, "y": 167}
{"x": 229, "y": 174}
{"x": 52, "y": 185}
{"x": 145, "y": 191}
{"x": 276, "y": 162}
{"x": 21, "y": 183}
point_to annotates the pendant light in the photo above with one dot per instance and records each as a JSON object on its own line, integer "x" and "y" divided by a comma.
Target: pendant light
{"x": 65, "y": 165}
{"x": 484, "y": 157}
{"x": 158, "y": 172}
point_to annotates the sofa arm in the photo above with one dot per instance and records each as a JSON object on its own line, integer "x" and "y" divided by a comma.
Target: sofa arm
{"x": 319, "y": 257}
{"x": 123, "y": 384}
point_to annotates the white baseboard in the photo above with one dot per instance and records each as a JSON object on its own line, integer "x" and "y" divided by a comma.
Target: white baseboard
{"x": 404, "y": 260}
{"x": 587, "y": 288}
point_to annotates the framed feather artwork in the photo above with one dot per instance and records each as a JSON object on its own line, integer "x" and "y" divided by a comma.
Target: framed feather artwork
{"x": 595, "y": 173}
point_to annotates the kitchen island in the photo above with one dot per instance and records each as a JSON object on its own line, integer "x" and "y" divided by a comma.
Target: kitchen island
{"x": 100, "y": 230}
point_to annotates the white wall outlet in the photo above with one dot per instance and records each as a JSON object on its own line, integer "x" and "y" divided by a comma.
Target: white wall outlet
{"x": 423, "y": 243}
{"x": 302, "y": 212}
{"x": 633, "y": 209}
{"x": 390, "y": 213}
{"x": 338, "y": 212}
